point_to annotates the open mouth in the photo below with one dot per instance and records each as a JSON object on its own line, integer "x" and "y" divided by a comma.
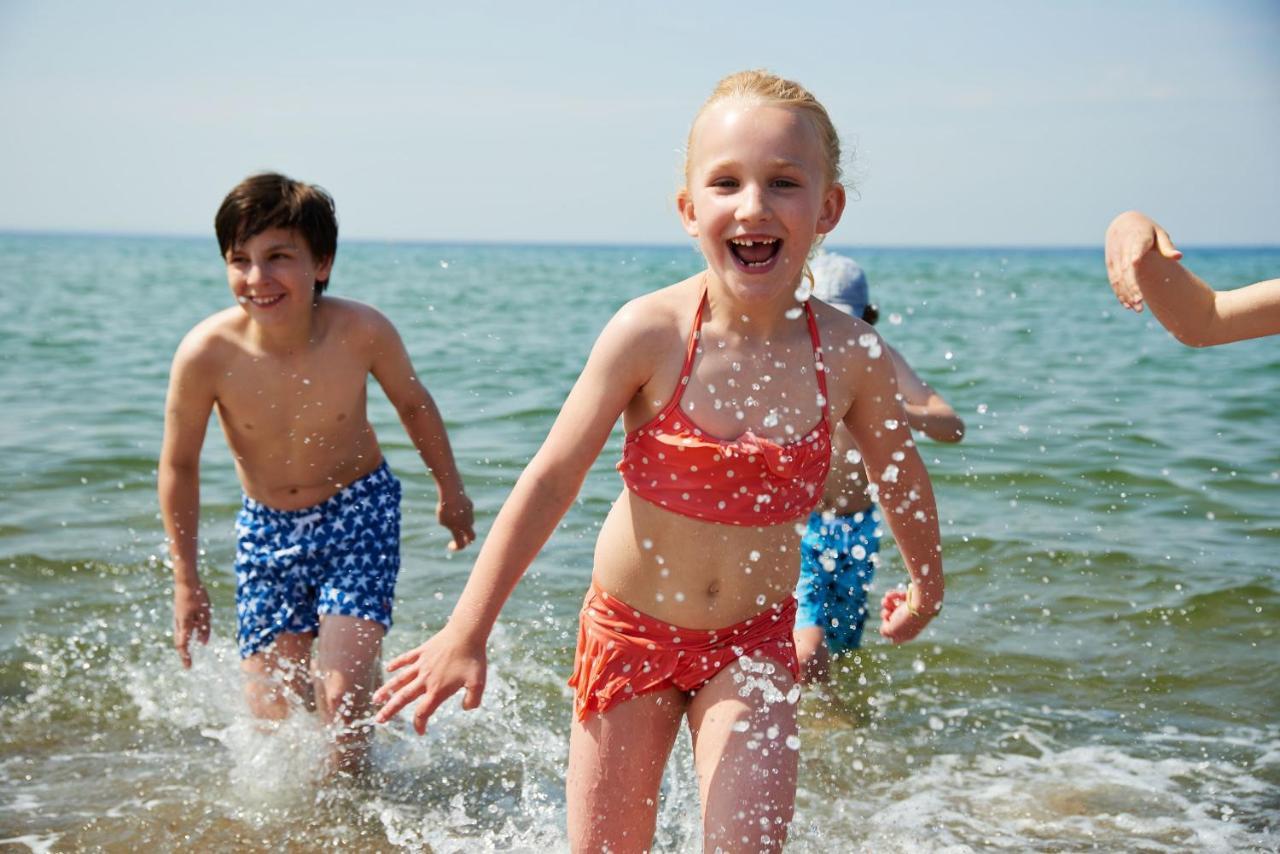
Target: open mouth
{"x": 755, "y": 252}
{"x": 262, "y": 302}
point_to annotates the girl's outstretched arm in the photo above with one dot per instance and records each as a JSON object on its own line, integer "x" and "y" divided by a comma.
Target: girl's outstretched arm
{"x": 1143, "y": 266}
{"x": 454, "y": 658}
{"x": 898, "y": 481}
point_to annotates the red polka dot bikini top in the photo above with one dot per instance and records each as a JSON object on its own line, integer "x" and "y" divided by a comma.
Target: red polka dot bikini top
{"x": 751, "y": 480}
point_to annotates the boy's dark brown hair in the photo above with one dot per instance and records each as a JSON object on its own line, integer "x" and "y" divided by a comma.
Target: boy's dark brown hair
{"x": 272, "y": 200}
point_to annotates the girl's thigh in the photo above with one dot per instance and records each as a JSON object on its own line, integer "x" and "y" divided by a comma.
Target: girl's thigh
{"x": 616, "y": 761}
{"x": 745, "y": 750}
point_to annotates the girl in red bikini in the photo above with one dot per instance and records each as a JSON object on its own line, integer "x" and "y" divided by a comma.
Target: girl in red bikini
{"x": 729, "y": 384}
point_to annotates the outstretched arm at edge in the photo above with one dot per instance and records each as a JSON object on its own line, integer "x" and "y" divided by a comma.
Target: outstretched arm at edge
{"x": 1143, "y": 267}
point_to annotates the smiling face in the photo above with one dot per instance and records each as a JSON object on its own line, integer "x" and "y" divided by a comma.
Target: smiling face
{"x": 759, "y": 193}
{"x": 273, "y": 275}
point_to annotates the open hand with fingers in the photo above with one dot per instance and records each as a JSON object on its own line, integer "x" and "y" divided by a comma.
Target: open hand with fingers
{"x": 1130, "y": 238}
{"x": 435, "y": 672}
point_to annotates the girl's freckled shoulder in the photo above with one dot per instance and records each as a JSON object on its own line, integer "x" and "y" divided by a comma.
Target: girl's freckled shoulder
{"x": 652, "y": 319}
{"x": 851, "y": 350}
{"x": 646, "y": 332}
{"x": 843, "y": 337}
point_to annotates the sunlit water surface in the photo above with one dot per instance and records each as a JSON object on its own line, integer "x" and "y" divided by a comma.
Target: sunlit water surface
{"x": 1104, "y": 676}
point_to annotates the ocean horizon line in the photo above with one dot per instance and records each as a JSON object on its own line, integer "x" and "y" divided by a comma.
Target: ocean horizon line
{"x": 569, "y": 244}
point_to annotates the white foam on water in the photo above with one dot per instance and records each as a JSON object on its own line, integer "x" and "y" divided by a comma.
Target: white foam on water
{"x": 274, "y": 764}
{"x": 473, "y": 780}
{"x": 493, "y": 779}
{"x": 34, "y": 842}
{"x": 1104, "y": 796}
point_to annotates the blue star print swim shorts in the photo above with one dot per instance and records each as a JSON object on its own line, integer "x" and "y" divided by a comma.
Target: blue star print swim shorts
{"x": 837, "y": 561}
{"x": 341, "y": 556}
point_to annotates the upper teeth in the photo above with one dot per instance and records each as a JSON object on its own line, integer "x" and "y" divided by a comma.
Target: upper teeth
{"x": 742, "y": 241}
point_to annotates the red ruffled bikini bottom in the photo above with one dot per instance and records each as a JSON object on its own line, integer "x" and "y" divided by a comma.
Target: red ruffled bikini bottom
{"x": 623, "y": 653}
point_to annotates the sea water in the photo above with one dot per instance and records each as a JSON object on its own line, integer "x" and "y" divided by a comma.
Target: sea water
{"x": 1104, "y": 676}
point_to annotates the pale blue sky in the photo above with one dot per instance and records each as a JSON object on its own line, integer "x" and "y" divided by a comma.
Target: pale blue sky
{"x": 979, "y": 123}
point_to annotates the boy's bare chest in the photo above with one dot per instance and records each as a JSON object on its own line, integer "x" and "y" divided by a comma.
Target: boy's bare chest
{"x": 318, "y": 393}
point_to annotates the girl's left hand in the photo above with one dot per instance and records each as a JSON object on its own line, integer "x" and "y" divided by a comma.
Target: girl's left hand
{"x": 897, "y": 623}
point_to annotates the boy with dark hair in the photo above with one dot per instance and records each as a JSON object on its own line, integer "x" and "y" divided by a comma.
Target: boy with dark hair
{"x": 318, "y": 546}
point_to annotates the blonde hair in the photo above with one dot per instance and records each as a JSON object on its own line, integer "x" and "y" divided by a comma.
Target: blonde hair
{"x": 760, "y": 85}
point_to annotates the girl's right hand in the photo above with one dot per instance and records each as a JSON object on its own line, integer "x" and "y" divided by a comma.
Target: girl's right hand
{"x": 435, "y": 672}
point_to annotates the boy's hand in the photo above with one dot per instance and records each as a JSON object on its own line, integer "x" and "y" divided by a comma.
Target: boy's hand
{"x": 897, "y": 623}
{"x": 1130, "y": 237}
{"x": 434, "y": 671}
{"x": 190, "y": 617}
{"x": 457, "y": 515}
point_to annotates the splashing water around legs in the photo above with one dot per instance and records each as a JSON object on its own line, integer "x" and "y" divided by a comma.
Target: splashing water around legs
{"x": 332, "y": 674}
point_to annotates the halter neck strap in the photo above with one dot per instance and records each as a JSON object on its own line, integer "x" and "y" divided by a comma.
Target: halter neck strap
{"x": 695, "y": 334}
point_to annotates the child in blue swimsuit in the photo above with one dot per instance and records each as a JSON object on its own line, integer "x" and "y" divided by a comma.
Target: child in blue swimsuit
{"x": 286, "y": 369}
{"x": 839, "y": 550}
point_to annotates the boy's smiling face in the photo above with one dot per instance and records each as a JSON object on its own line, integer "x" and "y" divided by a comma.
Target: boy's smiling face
{"x": 273, "y": 275}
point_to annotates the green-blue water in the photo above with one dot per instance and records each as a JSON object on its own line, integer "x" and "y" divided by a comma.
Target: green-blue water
{"x": 1105, "y": 675}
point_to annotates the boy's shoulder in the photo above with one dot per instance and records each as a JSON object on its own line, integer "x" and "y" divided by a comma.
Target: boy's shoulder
{"x": 357, "y": 326}
{"x": 352, "y": 315}
{"x": 217, "y": 335}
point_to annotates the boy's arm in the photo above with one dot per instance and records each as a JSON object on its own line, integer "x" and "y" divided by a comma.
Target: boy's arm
{"x": 393, "y": 370}
{"x": 926, "y": 410}
{"x": 187, "y": 406}
{"x": 455, "y": 657}
{"x": 1143, "y": 266}
{"x": 898, "y": 481}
